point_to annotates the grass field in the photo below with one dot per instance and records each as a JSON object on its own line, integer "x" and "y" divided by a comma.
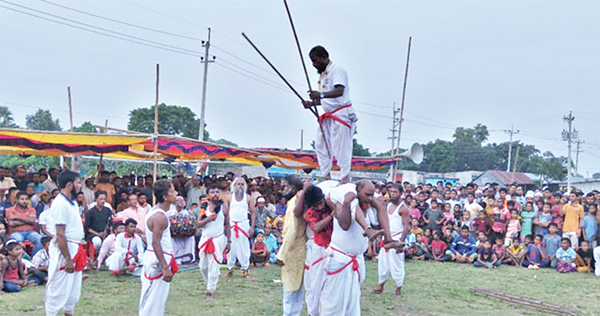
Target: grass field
{"x": 430, "y": 289}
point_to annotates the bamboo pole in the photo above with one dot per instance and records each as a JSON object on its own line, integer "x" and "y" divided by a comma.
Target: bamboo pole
{"x": 71, "y": 119}
{"x": 155, "y": 166}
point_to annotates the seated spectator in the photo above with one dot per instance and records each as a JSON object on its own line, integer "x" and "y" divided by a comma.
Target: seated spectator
{"x": 413, "y": 211}
{"x": 21, "y": 220}
{"x": 414, "y": 226}
{"x": 40, "y": 262}
{"x": 481, "y": 237}
{"x": 552, "y": 243}
{"x": 499, "y": 249}
{"x": 585, "y": 257}
{"x": 535, "y": 257}
{"x": 448, "y": 236}
{"x": 138, "y": 213}
{"x": 260, "y": 253}
{"x": 438, "y": 249}
{"x": 486, "y": 256}
{"x": 129, "y": 249}
{"x": 2, "y": 236}
{"x": 10, "y": 199}
{"x": 12, "y": 276}
{"x": 566, "y": 257}
{"x": 97, "y": 221}
{"x": 420, "y": 248}
{"x": 281, "y": 206}
{"x": 463, "y": 248}
{"x": 108, "y": 246}
{"x": 271, "y": 242}
{"x": 515, "y": 253}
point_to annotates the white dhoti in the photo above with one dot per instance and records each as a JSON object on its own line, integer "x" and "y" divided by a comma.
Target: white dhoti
{"x": 341, "y": 289}
{"x": 184, "y": 246}
{"x": 292, "y": 302}
{"x": 597, "y": 259}
{"x": 210, "y": 258}
{"x": 119, "y": 261}
{"x": 314, "y": 276}
{"x": 240, "y": 245}
{"x": 339, "y": 138}
{"x": 63, "y": 289}
{"x": 155, "y": 290}
{"x": 391, "y": 263}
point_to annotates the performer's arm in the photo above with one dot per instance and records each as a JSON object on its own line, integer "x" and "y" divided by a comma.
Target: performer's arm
{"x": 383, "y": 218}
{"x": 61, "y": 241}
{"x": 252, "y": 218}
{"x": 158, "y": 224}
{"x": 299, "y": 208}
{"x": 405, "y": 221}
{"x": 225, "y": 211}
{"x": 344, "y": 213}
{"x": 322, "y": 224}
{"x": 338, "y": 91}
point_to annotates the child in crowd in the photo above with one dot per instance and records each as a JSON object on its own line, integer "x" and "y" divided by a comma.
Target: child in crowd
{"x": 433, "y": 217}
{"x": 271, "y": 242}
{"x": 413, "y": 211}
{"x": 535, "y": 257}
{"x": 542, "y": 220}
{"x": 465, "y": 220}
{"x": 527, "y": 217}
{"x": 513, "y": 228}
{"x": 448, "y": 216}
{"x": 2, "y": 235}
{"x": 589, "y": 227}
{"x": 528, "y": 240}
{"x": 482, "y": 223}
{"x": 552, "y": 242}
{"x": 420, "y": 248}
{"x": 486, "y": 257}
{"x": 501, "y": 216}
{"x": 566, "y": 257}
{"x": 499, "y": 249}
{"x": 260, "y": 253}
{"x": 448, "y": 238}
{"x": 427, "y": 236}
{"x": 438, "y": 249}
{"x": 409, "y": 247}
{"x": 414, "y": 226}
{"x": 515, "y": 253}
{"x": 40, "y": 262}
{"x": 480, "y": 239}
{"x": 12, "y": 275}
{"x": 557, "y": 218}
{"x": 458, "y": 213}
{"x": 585, "y": 256}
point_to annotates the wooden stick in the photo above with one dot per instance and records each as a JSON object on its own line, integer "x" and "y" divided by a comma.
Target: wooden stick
{"x": 316, "y": 110}
{"x": 155, "y": 165}
{"x": 71, "y": 118}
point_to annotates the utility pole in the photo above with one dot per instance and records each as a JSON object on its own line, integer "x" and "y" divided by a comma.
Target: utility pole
{"x": 393, "y": 129}
{"x": 397, "y": 149}
{"x": 510, "y": 132}
{"x": 569, "y": 137}
{"x": 205, "y": 61}
{"x": 577, "y": 156}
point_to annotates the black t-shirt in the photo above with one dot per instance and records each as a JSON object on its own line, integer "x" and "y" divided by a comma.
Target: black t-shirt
{"x": 97, "y": 219}
{"x": 586, "y": 254}
{"x": 486, "y": 255}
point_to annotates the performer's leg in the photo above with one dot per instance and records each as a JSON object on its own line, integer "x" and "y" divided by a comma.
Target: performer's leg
{"x": 325, "y": 160}
{"x": 397, "y": 270}
{"x": 342, "y": 145}
{"x": 383, "y": 270}
{"x": 75, "y": 292}
{"x": 56, "y": 293}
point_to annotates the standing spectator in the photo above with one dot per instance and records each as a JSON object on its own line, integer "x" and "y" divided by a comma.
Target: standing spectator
{"x": 542, "y": 220}
{"x": 148, "y": 187}
{"x": 501, "y": 216}
{"x": 136, "y": 212}
{"x": 263, "y": 214}
{"x": 88, "y": 191}
{"x": 281, "y": 206}
{"x": 527, "y": 216}
{"x": 21, "y": 179}
{"x": 573, "y": 213}
{"x": 104, "y": 185}
{"x": 143, "y": 202}
{"x": 37, "y": 185}
{"x": 589, "y": 227}
{"x": 97, "y": 221}
{"x": 6, "y": 182}
{"x": 195, "y": 190}
{"x": 433, "y": 217}
{"x": 21, "y": 222}
{"x": 51, "y": 182}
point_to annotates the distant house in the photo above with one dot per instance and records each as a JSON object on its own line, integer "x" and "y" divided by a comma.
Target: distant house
{"x": 584, "y": 184}
{"x": 504, "y": 179}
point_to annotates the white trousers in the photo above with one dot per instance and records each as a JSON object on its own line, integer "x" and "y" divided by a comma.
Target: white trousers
{"x": 573, "y": 238}
{"x": 314, "y": 276}
{"x": 339, "y": 138}
{"x": 597, "y": 259}
{"x": 97, "y": 241}
{"x": 292, "y": 302}
{"x": 183, "y": 246}
{"x": 116, "y": 261}
{"x": 240, "y": 247}
{"x": 154, "y": 293}
{"x": 391, "y": 263}
{"x": 341, "y": 289}
{"x": 209, "y": 263}
{"x": 63, "y": 289}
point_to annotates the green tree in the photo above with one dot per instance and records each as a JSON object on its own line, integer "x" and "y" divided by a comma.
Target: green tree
{"x": 359, "y": 150}
{"x": 42, "y": 121}
{"x": 6, "y": 119}
{"x": 86, "y": 127}
{"x": 172, "y": 120}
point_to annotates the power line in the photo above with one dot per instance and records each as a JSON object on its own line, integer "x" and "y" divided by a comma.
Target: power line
{"x": 60, "y": 110}
{"x": 102, "y": 29}
{"x": 100, "y": 33}
{"x": 121, "y": 22}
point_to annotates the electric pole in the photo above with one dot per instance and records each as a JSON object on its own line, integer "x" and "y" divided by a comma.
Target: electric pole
{"x": 393, "y": 129}
{"x": 577, "y": 156}
{"x": 510, "y": 132}
{"x": 397, "y": 149}
{"x": 569, "y": 137}
{"x": 205, "y": 61}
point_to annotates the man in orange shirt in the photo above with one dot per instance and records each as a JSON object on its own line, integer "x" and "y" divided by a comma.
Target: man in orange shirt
{"x": 574, "y": 214}
{"x": 21, "y": 222}
{"x": 104, "y": 185}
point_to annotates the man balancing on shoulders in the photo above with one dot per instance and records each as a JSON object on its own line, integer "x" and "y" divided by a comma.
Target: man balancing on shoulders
{"x": 339, "y": 119}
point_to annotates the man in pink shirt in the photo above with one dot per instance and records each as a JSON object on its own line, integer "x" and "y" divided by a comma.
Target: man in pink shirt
{"x": 136, "y": 212}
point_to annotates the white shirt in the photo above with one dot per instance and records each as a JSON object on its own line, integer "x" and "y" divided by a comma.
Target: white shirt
{"x": 41, "y": 259}
{"x": 134, "y": 244}
{"x": 66, "y": 212}
{"x": 334, "y": 76}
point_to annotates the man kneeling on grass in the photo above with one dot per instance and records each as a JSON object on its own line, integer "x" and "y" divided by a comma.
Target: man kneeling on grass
{"x": 129, "y": 248}
{"x": 463, "y": 248}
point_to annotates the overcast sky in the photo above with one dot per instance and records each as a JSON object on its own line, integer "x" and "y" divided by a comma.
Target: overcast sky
{"x": 525, "y": 63}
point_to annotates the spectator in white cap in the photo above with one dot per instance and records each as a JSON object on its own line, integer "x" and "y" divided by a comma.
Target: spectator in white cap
{"x": 262, "y": 214}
